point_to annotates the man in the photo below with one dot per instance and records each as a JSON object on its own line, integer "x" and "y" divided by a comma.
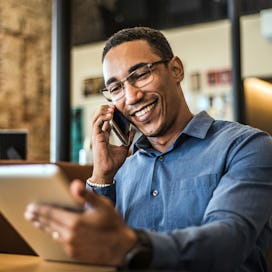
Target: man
{"x": 195, "y": 194}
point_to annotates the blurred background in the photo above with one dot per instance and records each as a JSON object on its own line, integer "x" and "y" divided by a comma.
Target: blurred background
{"x": 198, "y": 30}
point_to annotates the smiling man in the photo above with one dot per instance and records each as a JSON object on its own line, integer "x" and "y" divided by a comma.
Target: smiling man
{"x": 195, "y": 194}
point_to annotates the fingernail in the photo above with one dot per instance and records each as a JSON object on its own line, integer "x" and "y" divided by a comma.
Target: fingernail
{"x": 37, "y": 224}
{"x": 28, "y": 215}
{"x": 32, "y": 207}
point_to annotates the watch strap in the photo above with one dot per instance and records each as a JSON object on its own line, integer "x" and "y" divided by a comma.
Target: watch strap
{"x": 140, "y": 256}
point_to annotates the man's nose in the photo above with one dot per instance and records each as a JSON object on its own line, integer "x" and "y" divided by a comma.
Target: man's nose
{"x": 132, "y": 93}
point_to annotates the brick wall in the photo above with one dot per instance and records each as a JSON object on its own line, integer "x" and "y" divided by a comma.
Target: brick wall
{"x": 25, "y": 59}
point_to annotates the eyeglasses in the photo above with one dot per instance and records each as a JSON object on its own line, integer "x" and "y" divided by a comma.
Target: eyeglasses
{"x": 138, "y": 78}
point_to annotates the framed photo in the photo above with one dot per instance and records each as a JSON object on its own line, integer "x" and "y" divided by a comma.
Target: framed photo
{"x": 92, "y": 85}
{"x": 225, "y": 77}
{"x": 212, "y": 77}
{"x": 195, "y": 81}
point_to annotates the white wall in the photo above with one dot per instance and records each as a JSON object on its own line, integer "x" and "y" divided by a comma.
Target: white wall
{"x": 257, "y": 51}
{"x": 201, "y": 47}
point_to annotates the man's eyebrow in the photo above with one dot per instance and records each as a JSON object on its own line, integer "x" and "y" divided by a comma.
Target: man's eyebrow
{"x": 131, "y": 69}
{"x": 136, "y": 66}
{"x": 110, "y": 80}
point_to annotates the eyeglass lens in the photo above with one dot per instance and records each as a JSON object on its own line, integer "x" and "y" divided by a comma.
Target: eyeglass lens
{"x": 138, "y": 78}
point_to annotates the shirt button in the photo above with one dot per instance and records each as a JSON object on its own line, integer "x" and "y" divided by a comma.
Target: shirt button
{"x": 161, "y": 158}
{"x": 155, "y": 193}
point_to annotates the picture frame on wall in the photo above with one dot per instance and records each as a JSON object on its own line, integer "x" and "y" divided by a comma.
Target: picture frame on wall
{"x": 195, "y": 81}
{"x": 92, "y": 86}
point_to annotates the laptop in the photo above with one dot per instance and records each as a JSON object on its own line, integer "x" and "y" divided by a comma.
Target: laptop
{"x": 44, "y": 183}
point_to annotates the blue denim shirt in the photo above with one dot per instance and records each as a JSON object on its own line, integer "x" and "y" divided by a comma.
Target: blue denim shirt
{"x": 206, "y": 201}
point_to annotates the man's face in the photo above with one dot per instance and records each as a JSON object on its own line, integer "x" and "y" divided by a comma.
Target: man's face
{"x": 153, "y": 108}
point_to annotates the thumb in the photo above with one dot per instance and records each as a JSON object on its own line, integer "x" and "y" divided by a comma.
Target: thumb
{"x": 83, "y": 196}
{"x": 76, "y": 187}
{"x": 93, "y": 199}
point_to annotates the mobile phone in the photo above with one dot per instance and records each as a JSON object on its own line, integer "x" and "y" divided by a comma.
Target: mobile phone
{"x": 121, "y": 127}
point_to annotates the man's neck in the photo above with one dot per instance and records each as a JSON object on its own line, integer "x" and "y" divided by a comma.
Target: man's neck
{"x": 161, "y": 143}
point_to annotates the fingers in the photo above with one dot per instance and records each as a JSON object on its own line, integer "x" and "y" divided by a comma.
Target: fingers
{"x": 131, "y": 136}
{"x": 76, "y": 187}
{"x": 49, "y": 218}
{"x": 63, "y": 225}
{"x": 95, "y": 200}
{"x": 101, "y": 120}
{"x": 82, "y": 195}
{"x": 103, "y": 111}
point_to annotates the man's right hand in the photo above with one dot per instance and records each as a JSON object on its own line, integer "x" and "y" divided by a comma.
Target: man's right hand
{"x": 108, "y": 158}
{"x": 97, "y": 236}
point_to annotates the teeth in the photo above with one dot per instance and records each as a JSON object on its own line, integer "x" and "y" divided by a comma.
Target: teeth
{"x": 145, "y": 110}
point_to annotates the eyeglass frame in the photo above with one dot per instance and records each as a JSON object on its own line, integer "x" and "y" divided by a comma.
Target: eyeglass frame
{"x": 122, "y": 81}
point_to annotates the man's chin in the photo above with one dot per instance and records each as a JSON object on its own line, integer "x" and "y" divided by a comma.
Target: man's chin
{"x": 152, "y": 129}
{"x": 152, "y": 133}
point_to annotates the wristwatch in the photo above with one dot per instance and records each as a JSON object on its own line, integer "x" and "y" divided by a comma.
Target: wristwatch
{"x": 140, "y": 256}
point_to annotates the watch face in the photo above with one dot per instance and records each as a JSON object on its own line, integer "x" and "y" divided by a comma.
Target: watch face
{"x": 140, "y": 256}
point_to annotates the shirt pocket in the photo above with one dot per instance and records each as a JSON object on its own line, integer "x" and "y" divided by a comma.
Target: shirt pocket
{"x": 189, "y": 198}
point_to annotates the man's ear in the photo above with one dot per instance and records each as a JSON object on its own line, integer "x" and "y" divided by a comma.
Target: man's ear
{"x": 177, "y": 68}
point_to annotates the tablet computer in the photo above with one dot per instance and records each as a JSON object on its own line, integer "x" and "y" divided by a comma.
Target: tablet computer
{"x": 44, "y": 183}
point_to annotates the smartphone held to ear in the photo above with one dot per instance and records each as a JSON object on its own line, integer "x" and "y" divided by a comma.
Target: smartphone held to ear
{"x": 121, "y": 127}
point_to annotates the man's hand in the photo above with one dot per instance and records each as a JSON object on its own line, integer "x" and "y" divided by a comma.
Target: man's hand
{"x": 108, "y": 158}
{"x": 97, "y": 236}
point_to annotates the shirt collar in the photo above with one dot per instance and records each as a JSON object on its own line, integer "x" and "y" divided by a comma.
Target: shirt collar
{"x": 198, "y": 127}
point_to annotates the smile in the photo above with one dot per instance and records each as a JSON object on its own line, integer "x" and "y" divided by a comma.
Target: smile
{"x": 145, "y": 110}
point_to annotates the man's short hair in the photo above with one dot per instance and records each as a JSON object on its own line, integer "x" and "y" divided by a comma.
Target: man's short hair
{"x": 155, "y": 39}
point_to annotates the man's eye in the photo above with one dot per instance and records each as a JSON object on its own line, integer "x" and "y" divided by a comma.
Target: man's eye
{"x": 140, "y": 75}
{"x": 115, "y": 89}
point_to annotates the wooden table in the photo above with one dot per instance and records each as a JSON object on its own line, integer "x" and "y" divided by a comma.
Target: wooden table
{"x": 26, "y": 263}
